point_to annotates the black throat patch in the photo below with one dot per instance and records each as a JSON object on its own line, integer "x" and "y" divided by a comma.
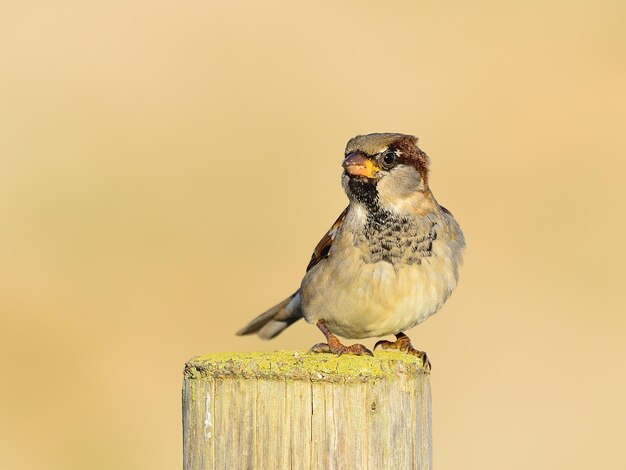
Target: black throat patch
{"x": 388, "y": 237}
{"x": 365, "y": 192}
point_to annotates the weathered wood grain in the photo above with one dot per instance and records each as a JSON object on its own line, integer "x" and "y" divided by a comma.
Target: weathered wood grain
{"x": 297, "y": 411}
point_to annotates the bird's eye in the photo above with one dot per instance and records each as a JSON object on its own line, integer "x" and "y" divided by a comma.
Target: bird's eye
{"x": 389, "y": 158}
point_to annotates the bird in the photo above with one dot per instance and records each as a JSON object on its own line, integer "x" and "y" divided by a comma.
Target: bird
{"x": 390, "y": 260}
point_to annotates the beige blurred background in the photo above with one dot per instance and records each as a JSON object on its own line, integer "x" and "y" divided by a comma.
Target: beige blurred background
{"x": 166, "y": 169}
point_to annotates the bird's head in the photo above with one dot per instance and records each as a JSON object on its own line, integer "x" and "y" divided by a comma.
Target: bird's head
{"x": 386, "y": 171}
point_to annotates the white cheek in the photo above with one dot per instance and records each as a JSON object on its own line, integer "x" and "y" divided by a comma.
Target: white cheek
{"x": 397, "y": 189}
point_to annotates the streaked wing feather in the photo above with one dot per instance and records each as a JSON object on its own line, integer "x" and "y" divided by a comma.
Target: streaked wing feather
{"x": 323, "y": 247}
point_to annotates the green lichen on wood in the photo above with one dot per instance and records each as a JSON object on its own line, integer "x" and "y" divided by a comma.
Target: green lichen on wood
{"x": 296, "y": 365}
{"x": 192, "y": 390}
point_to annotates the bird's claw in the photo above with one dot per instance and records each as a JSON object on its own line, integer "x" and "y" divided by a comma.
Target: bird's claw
{"x": 340, "y": 349}
{"x": 403, "y": 343}
{"x": 383, "y": 344}
{"x": 423, "y": 356}
{"x": 320, "y": 348}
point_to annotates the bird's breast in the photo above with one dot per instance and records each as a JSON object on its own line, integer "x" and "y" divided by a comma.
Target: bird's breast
{"x": 379, "y": 284}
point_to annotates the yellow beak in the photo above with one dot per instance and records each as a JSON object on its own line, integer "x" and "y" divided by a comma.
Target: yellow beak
{"x": 357, "y": 164}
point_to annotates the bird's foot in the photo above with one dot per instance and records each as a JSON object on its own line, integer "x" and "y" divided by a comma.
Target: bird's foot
{"x": 334, "y": 346}
{"x": 339, "y": 349}
{"x": 403, "y": 343}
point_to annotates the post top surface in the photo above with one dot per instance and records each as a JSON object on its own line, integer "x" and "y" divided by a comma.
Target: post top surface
{"x": 298, "y": 365}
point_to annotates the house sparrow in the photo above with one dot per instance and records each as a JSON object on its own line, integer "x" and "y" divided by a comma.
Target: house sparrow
{"x": 390, "y": 260}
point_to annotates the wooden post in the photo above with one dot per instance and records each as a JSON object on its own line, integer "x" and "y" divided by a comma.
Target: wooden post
{"x": 306, "y": 411}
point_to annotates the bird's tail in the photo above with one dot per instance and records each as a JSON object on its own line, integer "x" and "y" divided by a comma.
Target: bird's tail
{"x": 271, "y": 323}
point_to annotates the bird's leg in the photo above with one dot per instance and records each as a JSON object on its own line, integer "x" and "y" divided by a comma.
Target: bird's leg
{"x": 403, "y": 343}
{"x": 334, "y": 346}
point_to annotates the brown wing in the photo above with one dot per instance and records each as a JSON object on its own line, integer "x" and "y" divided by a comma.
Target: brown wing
{"x": 323, "y": 247}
